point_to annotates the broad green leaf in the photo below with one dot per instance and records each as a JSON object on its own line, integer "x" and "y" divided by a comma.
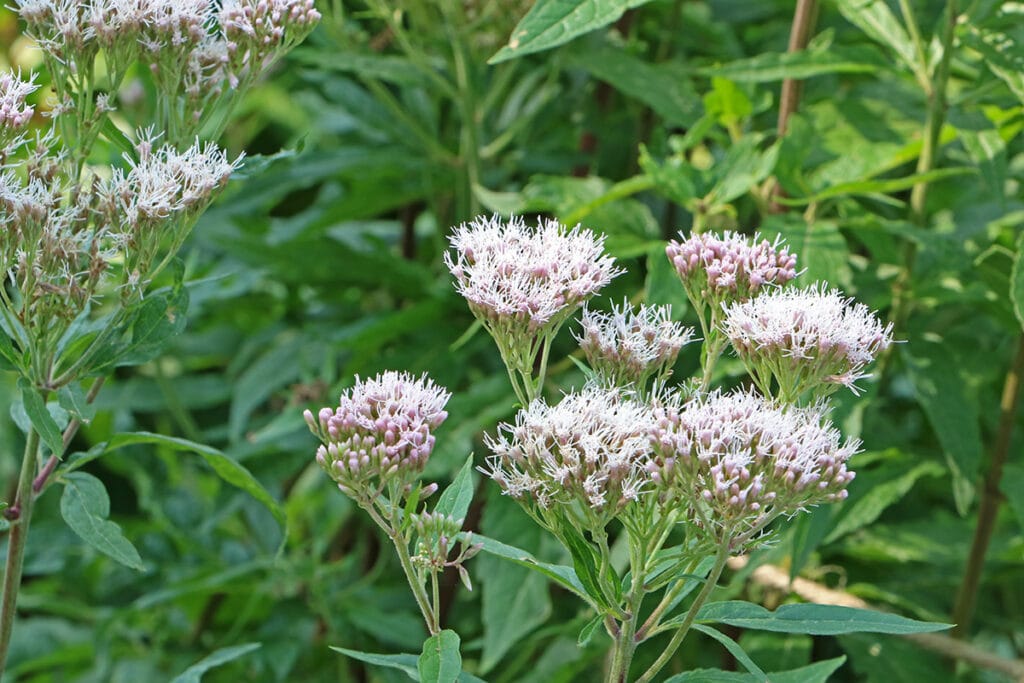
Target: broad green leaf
{"x": 73, "y": 399}
{"x": 41, "y": 419}
{"x": 880, "y": 24}
{"x": 588, "y": 631}
{"x": 85, "y": 507}
{"x": 880, "y": 494}
{"x": 224, "y": 466}
{"x": 807, "y": 533}
{"x": 561, "y": 574}
{"x": 404, "y": 662}
{"x": 819, "y": 672}
{"x": 194, "y": 673}
{"x": 822, "y": 252}
{"x": 1017, "y": 281}
{"x": 550, "y": 23}
{"x": 815, "y": 620}
{"x": 951, "y": 410}
{"x": 440, "y": 661}
{"x": 515, "y": 599}
{"x": 796, "y": 65}
{"x": 674, "y": 178}
{"x": 585, "y": 561}
{"x": 734, "y": 649}
{"x": 455, "y": 500}
{"x": 160, "y": 317}
{"x": 665, "y": 87}
{"x": 7, "y": 351}
{"x": 893, "y": 660}
{"x": 729, "y": 105}
{"x": 743, "y": 167}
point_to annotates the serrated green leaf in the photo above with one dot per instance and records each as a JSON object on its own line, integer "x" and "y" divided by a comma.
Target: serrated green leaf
{"x": 819, "y": 672}
{"x": 194, "y": 673}
{"x": 455, "y": 500}
{"x": 440, "y": 661}
{"x": 85, "y": 507}
{"x": 880, "y": 24}
{"x": 815, "y": 620}
{"x": 550, "y": 23}
{"x": 41, "y": 419}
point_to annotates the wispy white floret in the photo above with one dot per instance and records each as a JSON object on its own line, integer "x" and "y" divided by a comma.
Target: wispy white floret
{"x": 15, "y": 112}
{"x": 382, "y": 429}
{"x": 589, "y": 451}
{"x": 805, "y": 337}
{"x": 532, "y": 275}
{"x": 743, "y": 460}
{"x": 627, "y": 345}
{"x": 732, "y": 267}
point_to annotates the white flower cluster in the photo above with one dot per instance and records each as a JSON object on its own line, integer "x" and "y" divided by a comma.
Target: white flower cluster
{"x": 15, "y": 112}
{"x": 165, "y": 182}
{"x": 382, "y": 430}
{"x": 526, "y": 277}
{"x": 747, "y": 459}
{"x": 590, "y": 448}
{"x": 805, "y": 337}
{"x": 626, "y": 346}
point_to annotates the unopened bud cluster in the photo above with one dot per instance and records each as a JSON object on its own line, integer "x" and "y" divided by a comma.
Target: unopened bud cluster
{"x": 437, "y": 535}
{"x": 805, "y": 338}
{"x": 15, "y": 111}
{"x": 738, "y": 460}
{"x": 732, "y": 267}
{"x": 627, "y": 346}
{"x": 381, "y": 433}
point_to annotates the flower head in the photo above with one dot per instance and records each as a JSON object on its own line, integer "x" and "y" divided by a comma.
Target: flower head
{"x": 813, "y": 338}
{"x": 15, "y": 112}
{"x": 739, "y": 460}
{"x": 588, "y": 451}
{"x": 627, "y": 346}
{"x": 732, "y": 267}
{"x": 257, "y": 30}
{"x": 524, "y": 276}
{"x": 382, "y": 430}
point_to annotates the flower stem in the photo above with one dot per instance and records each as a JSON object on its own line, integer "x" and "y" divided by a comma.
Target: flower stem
{"x": 691, "y": 615}
{"x": 967, "y": 596}
{"x": 16, "y": 545}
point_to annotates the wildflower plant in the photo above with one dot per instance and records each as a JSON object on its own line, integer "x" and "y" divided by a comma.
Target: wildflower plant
{"x": 88, "y": 243}
{"x": 683, "y": 477}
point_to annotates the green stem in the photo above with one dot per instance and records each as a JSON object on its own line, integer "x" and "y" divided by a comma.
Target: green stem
{"x": 418, "y": 591}
{"x": 967, "y": 596}
{"x": 16, "y": 545}
{"x": 691, "y": 615}
{"x": 625, "y": 641}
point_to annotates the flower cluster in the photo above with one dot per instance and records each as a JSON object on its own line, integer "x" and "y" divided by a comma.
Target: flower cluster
{"x": 523, "y": 277}
{"x": 738, "y": 460}
{"x": 381, "y": 433}
{"x": 15, "y": 112}
{"x": 522, "y": 283}
{"x": 627, "y": 346}
{"x": 731, "y": 267}
{"x": 192, "y": 48}
{"x": 806, "y": 339}
{"x": 590, "y": 448}
{"x": 436, "y": 535}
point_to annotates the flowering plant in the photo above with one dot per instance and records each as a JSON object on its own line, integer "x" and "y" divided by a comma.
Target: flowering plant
{"x": 87, "y": 243}
{"x": 680, "y": 477}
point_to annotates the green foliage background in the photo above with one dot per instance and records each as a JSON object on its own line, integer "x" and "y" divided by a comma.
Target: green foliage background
{"x": 324, "y": 261}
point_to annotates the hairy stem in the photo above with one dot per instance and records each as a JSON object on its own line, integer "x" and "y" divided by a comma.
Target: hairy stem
{"x": 966, "y": 598}
{"x": 691, "y": 615}
{"x": 16, "y": 544}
